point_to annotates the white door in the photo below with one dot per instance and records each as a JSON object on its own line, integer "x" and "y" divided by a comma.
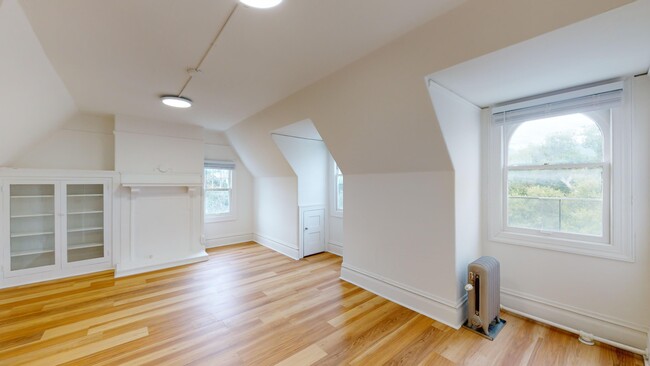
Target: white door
{"x": 313, "y": 231}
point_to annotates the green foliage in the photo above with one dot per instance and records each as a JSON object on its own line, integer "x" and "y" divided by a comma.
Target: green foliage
{"x": 217, "y": 193}
{"x": 584, "y": 145}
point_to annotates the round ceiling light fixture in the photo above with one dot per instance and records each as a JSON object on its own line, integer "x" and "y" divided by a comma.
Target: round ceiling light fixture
{"x": 261, "y": 4}
{"x": 176, "y": 101}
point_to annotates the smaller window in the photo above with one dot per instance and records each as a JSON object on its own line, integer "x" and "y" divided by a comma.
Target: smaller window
{"x": 218, "y": 188}
{"x": 339, "y": 188}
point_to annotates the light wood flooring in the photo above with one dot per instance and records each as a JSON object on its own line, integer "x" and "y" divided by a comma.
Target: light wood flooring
{"x": 248, "y": 305}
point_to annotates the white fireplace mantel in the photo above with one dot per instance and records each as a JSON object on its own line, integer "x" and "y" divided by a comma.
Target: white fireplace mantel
{"x": 162, "y": 180}
{"x": 161, "y": 225}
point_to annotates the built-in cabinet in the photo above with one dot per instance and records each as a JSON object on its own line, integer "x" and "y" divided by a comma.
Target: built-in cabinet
{"x": 54, "y": 228}
{"x": 31, "y": 220}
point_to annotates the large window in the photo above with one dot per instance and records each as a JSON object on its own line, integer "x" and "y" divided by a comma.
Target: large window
{"x": 218, "y": 189}
{"x": 558, "y": 177}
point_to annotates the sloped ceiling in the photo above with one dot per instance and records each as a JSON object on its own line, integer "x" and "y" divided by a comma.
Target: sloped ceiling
{"x": 611, "y": 45}
{"x": 119, "y": 56}
{"x": 375, "y": 115}
{"x": 33, "y": 99}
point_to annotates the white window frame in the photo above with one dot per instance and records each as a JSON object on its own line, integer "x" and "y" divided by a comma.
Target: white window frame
{"x": 230, "y": 216}
{"x": 334, "y": 194}
{"x": 616, "y": 242}
{"x": 337, "y": 173}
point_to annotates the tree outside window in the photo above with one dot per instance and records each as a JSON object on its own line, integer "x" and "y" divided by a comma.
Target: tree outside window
{"x": 557, "y": 175}
{"x": 218, "y": 191}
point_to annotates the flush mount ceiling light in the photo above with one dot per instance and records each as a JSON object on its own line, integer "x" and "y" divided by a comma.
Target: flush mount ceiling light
{"x": 176, "y": 101}
{"x": 261, "y": 4}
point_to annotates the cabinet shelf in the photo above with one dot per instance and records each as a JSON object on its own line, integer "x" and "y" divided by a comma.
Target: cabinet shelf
{"x": 36, "y": 196}
{"x": 24, "y": 235}
{"x": 33, "y": 215}
{"x": 86, "y": 195}
{"x": 85, "y": 246}
{"x": 85, "y": 229}
{"x": 31, "y": 252}
{"x": 84, "y": 212}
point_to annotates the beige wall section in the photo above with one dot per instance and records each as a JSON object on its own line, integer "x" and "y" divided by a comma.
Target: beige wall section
{"x": 33, "y": 100}
{"x": 85, "y": 142}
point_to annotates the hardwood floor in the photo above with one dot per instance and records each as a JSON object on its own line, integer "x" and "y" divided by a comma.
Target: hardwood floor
{"x": 250, "y": 306}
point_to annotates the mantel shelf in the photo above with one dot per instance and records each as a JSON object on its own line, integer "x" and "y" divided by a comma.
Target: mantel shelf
{"x": 161, "y": 180}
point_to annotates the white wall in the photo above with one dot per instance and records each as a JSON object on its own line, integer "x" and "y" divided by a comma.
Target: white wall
{"x": 240, "y": 227}
{"x": 308, "y": 159}
{"x": 335, "y": 222}
{"x": 33, "y": 100}
{"x": 608, "y": 298}
{"x": 161, "y": 209}
{"x": 460, "y": 122}
{"x": 154, "y": 147}
{"x": 276, "y": 214}
{"x": 85, "y": 142}
{"x": 398, "y": 233}
{"x": 335, "y": 235}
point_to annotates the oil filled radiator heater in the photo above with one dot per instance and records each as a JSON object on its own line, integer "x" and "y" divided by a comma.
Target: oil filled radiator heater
{"x": 483, "y": 297}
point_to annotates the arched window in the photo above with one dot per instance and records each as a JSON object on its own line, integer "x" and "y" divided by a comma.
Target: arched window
{"x": 558, "y": 172}
{"x": 557, "y": 175}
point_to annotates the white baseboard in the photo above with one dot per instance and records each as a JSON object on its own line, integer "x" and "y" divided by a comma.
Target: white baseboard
{"x": 442, "y": 310}
{"x": 278, "y": 246}
{"x": 228, "y": 240}
{"x": 122, "y": 271}
{"x": 66, "y": 273}
{"x": 335, "y": 248}
{"x": 616, "y": 332}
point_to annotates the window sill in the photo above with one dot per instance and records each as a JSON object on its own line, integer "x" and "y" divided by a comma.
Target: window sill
{"x": 607, "y": 251}
{"x": 337, "y": 214}
{"x": 219, "y": 218}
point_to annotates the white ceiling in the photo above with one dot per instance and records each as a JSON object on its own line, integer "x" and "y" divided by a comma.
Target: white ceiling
{"x": 119, "y": 56}
{"x": 610, "y": 45}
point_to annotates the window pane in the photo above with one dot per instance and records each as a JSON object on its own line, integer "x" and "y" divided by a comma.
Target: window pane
{"x": 217, "y": 202}
{"x": 339, "y": 193}
{"x": 218, "y": 178}
{"x": 560, "y": 200}
{"x": 569, "y": 139}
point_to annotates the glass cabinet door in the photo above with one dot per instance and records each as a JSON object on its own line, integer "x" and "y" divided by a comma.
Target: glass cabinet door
{"x": 32, "y": 226}
{"x": 85, "y": 222}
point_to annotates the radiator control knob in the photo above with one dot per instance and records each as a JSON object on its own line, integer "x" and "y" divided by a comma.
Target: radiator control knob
{"x": 469, "y": 287}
